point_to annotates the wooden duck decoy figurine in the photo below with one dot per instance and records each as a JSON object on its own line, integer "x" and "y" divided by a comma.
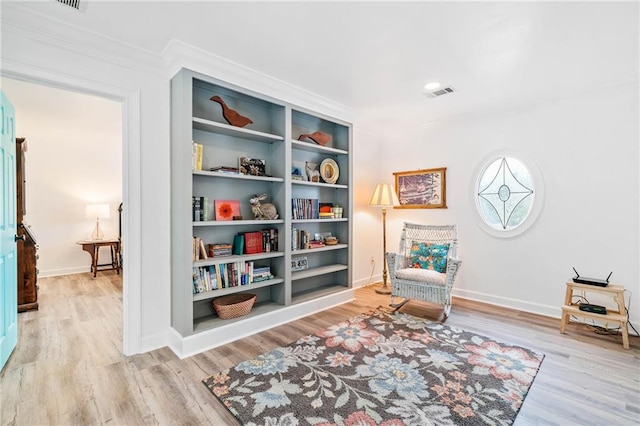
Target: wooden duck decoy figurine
{"x": 318, "y": 137}
{"x": 232, "y": 116}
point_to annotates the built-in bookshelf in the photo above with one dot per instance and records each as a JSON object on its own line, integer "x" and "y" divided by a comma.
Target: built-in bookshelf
{"x": 235, "y": 164}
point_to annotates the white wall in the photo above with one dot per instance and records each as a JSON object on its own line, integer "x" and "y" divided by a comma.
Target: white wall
{"x": 586, "y": 148}
{"x": 34, "y": 47}
{"x": 567, "y": 139}
{"x": 367, "y": 225}
{"x": 74, "y": 158}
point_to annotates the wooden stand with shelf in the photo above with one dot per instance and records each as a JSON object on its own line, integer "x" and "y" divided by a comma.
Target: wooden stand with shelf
{"x": 271, "y": 137}
{"x": 615, "y": 291}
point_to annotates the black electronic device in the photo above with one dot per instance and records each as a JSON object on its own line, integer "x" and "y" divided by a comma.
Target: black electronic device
{"x": 596, "y": 309}
{"x": 591, "y": 281}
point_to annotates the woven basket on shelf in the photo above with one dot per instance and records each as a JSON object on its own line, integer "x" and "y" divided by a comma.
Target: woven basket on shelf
{"x": 234, "y": 305}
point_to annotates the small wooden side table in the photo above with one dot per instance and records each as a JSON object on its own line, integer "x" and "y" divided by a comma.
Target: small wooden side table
{"x": 93, "y": 248}
{"x": 619, "y": 316}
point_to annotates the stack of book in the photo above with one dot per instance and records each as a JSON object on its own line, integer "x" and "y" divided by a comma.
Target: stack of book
{"x": 220, "y": 249}
{"x": 262, "y": 273}
{"x": 225, "y": 169}
{"x": 315, "y": 244}
{"x": 326, "y": 211}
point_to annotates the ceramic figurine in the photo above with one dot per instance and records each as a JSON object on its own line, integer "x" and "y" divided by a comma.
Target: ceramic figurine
{"x": 266, "y": 211}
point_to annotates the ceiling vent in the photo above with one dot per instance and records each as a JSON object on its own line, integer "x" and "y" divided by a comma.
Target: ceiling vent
{"x": 439, "y": 92}
{"x": 72, "y": 3}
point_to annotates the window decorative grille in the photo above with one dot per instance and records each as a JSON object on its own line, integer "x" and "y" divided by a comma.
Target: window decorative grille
{"x": 505, "y": 193}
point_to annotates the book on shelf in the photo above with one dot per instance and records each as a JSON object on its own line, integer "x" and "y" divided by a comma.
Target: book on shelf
{"x": 305, "y": 208}
{"x": 252, "y": 166}
{"x": 199, "y": 250}
{"x": 238, "y": 244}
{"x": 264, "y": 241}
{"x": 228, "y": 275}
{"x": 300, "y": 239}
{"x": 253, "y": 242}
{"x": 203, "y": 251}
{"x": 225, "y": 169}
{"x": 315, "y": 244}
{"x": 196, "y": 155}
{"x": 200, "y": 209}
{"x": 326, "y": 211}
{"x": 219, "y": 249}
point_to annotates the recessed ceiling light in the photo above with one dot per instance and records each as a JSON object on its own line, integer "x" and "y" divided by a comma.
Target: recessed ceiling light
{"x": 432, "y": 85}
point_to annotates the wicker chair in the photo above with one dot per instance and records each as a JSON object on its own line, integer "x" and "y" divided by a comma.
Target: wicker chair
{"x": 409, "y": 281}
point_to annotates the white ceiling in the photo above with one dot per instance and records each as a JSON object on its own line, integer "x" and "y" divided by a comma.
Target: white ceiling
{"x": 374, "y": 57}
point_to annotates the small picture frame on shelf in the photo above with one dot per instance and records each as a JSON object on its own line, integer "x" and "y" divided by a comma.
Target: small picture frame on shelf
{"x": 252, "y": 166}
{"x": 299, "y": 263}
{"x": 322, "y": 236}
{"x": 329, "y": 170}
{"x": 296, "y": 173}
{"x": 226, "y": 209}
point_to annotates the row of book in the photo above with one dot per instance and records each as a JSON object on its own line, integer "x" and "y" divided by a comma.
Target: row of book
{"x": 227, "y": 275}
{"x": 264, "y": 241}
{"x": 305, "y": 208}
{"x": 200, "y": 208}
{"x": 300, "y": 239}
{"x": 196, "y": 155}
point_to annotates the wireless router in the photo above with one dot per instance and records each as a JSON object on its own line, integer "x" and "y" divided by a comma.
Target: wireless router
{"x": 591, "y": 281}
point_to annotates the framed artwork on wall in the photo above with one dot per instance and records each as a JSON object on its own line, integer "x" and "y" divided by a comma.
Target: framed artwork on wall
{"x": 422, "y": 189}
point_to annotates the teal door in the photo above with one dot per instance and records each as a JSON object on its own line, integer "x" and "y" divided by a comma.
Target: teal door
{"x": 8, "y": 261}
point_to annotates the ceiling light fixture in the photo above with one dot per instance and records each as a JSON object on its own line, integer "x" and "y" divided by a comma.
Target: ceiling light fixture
{"x": 432, "y": 85}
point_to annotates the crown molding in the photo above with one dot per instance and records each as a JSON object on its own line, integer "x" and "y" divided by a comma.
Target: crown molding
{"x": 178, "y": 54}
{"x": 18, "y": 22}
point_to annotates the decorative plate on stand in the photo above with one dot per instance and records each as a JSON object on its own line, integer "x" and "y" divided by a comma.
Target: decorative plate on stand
{"x": 329, "y": 170}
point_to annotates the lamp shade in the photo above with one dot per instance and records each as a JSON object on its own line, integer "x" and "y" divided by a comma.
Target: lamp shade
{"x": 98, "y": 211}
{"x": 384, "y": 196}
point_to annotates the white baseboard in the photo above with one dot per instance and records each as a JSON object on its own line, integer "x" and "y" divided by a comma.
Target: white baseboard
{"x": 44, "y": 273}
{"x": 521, "y": 305}
{"x": 507, "y": 302}
{"x": 156, "y": 341}
{"x": 363, "y": 282}
{"x": 187, "y": 346}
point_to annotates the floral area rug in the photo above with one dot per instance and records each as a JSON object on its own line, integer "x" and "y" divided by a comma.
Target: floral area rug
{"x": 381, "y": 368}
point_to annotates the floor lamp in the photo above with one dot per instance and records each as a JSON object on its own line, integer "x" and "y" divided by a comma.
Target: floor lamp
{"x": 384, "y": 196}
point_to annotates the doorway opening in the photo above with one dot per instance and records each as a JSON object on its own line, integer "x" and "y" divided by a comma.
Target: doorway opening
{"x": 74, "y": 187}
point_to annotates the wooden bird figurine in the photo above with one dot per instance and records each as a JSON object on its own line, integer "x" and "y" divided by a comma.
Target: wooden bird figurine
{"x": 232, "y": 116}
{"x": 320, "y": 138}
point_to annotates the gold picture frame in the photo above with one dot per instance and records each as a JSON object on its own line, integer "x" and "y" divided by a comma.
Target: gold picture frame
{"x": 422, "y": 189}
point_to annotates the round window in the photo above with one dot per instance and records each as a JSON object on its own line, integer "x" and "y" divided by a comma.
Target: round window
{"x": 506, "y": 195}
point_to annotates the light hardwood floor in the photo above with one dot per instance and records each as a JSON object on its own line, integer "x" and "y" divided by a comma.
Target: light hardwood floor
{"x": 68, "y": 367}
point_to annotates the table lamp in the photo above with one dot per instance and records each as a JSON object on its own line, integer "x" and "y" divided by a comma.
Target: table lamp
{"x": 384, "y": 196}
{"x": 97, "y": 211}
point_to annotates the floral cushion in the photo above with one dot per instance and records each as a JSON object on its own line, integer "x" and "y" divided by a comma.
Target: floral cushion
{"x": 429, "y": 256}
